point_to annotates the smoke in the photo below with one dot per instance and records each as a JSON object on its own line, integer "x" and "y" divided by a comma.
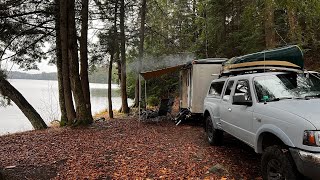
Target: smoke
{"x": 150, "y": 63}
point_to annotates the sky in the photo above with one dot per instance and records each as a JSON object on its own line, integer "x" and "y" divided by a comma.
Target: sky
{"x": 43, "y": 67}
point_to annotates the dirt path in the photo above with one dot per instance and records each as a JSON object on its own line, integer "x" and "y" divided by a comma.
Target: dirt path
{"x": 120, "y": 149}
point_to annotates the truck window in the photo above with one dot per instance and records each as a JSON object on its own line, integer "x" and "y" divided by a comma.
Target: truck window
{"x": 242, "y": 88}
{"x": 216, "y": 88}
{"x": 284, "y": 86}
{"x": 227, "y": 93}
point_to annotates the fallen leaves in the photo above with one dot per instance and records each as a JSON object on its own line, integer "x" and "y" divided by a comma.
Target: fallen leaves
{"x": 122, "y": 149}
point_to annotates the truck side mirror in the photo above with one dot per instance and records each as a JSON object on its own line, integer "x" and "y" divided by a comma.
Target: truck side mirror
{"x": 241, "y": 100}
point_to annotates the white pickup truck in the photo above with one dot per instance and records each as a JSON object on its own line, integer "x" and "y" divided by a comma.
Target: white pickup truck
{"x": 276, "y": 113}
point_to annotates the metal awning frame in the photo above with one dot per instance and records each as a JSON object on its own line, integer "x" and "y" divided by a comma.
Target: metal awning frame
{"x": 153, "y": 74}
{"x": 159, "y": 72}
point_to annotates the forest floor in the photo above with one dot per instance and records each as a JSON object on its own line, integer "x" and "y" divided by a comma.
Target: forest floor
{"x": 125, "y": 148}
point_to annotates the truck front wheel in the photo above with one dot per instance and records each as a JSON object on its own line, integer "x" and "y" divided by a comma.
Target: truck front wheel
{"x": 277, "y": 163}
{"x": 214, "y": 136}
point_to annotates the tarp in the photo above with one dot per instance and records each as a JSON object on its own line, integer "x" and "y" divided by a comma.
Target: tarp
{"x": 159, "y": 72}
{"x": 292, "y": 54}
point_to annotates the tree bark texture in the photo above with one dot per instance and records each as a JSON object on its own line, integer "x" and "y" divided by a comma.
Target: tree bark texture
{"x": 270, "y": 34}
{"x": 125, "y": 107}
{"x": 117, "y": 59}
{"x": 196, "y": 31}
{"x": 82, "y": 114}
{"x": 294, "y": 34}
{"x": 141, "y": 49}
{"x": 113, "y": 51}
{"x": 109, "y": 87}
{"x": 12, "y": 93}
{"x": 63, "y": 118}
{"x": 84, "y": 57}
{"x": 71, "y": 114}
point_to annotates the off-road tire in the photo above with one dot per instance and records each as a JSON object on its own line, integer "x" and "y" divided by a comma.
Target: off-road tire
{"x": 277, "y": 163}
{"x": 214, "y": 136}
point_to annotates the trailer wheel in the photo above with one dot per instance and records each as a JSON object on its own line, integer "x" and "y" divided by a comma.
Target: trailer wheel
{"x": 214, "y": 136}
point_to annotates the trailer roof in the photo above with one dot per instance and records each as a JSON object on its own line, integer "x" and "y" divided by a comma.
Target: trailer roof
{"x": 159, "y": 72}
{"x": 210, "y": 61}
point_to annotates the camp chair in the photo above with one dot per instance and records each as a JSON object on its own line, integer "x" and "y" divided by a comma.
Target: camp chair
{"x": 164, "y": 111}
{"x": 165, "y": 107}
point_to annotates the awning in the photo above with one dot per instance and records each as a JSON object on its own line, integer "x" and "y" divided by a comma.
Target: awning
{"x": 159, "y": 72}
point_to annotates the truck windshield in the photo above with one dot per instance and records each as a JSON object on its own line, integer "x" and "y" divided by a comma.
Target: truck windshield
{"x": 286, "y": 86}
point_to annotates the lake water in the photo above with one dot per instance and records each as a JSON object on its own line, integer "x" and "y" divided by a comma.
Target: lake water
{"x": 43, "y": 96}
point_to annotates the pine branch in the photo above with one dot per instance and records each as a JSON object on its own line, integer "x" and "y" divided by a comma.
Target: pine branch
{"x": 30, "y": 45}
{"x": 37, "y": 25}
{"x": 4, "y": 16}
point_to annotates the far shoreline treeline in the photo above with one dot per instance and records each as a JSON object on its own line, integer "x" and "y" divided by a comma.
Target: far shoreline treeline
{"x": 98, "y": 76}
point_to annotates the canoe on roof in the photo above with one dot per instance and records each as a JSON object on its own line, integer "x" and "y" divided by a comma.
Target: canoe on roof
{"x": 288, "y": 57}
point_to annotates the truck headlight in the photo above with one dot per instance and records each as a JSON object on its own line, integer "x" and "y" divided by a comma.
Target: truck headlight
{"x": 311, "y": 138}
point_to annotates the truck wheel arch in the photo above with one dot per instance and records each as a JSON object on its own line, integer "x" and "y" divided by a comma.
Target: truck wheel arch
{"x": 213, "y": 118}
{"x": 273, "y": 132}
{"x": 206, "y": 113}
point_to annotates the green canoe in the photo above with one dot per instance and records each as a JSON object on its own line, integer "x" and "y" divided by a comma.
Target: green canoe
{"x": 289, "y": 56}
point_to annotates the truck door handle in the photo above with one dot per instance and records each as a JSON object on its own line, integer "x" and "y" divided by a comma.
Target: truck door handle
{"x": 229, "y": 109}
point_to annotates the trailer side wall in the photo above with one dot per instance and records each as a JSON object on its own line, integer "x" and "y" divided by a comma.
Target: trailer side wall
{"x": 202, "y": 75}
{"x": 184, "y": 80}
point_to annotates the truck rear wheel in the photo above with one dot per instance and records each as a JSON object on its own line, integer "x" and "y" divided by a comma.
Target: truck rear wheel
{"x": 277, "y": 163}
{"x": 214, "y": 136}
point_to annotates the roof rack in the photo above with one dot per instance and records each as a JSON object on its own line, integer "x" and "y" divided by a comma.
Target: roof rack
{"x": 252, "y": 70}
{"x": 289, "y": 58}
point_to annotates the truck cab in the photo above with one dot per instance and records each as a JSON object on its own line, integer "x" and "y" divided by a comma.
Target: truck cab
{"x": 276, "y": 113}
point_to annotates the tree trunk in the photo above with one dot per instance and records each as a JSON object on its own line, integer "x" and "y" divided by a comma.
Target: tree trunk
{"x": 109, "y": 87}
{"x": 141, "y": 50}
{"x": 223, "y": 37}
{"x": 119, "y": 70}
{"x": 270, "y": 35}
{"x": 294, "y": 35}
{"x": 84, "y": 57}
{"x": 12, "y": 93}
{"x": 125, "y": 108}
{"x": 71, "y": 114}
{"x": 114, "y": 50}
{"x": 195, "y": 29}
{"x": 117, "y": 59}
{"x": 82, "y": 113}
{"x": 63, "y": 118}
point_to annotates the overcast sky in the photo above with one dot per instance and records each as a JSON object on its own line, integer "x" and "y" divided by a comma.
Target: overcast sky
{"x": 43, "y": 67}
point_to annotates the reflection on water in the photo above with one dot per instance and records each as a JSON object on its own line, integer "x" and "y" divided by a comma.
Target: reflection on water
{"x": 43, "y": 96}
